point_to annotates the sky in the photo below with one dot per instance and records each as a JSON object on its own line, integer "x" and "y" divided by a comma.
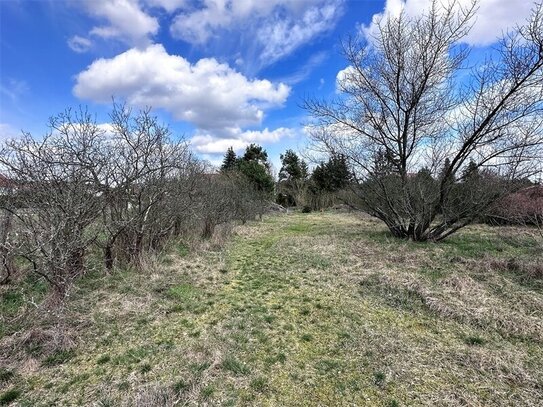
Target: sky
{"x": 220, "y": 73}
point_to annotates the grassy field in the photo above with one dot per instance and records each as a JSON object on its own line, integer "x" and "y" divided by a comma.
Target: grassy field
{"x": 320, "y": 309}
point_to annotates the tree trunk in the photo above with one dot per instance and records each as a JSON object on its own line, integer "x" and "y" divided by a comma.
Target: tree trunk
{"x": 5, "y": 256}
{"x": 209, "y": 229}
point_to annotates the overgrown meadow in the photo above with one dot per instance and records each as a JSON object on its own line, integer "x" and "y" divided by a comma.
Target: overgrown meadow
{"x": 299, "y": 309}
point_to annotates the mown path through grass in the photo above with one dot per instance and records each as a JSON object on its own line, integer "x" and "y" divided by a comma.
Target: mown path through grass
{"x": 319, "y": 309}
{"x": 299, "y": 326}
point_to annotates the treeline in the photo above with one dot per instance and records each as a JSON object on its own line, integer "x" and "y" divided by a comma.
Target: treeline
{"x": 296, "y": 186}
{"x": 84, "y": 194}
{"x": 323, "y": 188}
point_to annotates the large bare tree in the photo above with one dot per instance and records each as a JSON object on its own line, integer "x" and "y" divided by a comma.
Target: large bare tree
{"x": 417, "y": 122}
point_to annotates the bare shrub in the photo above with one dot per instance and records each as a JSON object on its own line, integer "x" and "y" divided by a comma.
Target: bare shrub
{"x": 142, "y": 171}
{"x": 56, "y": 197}
{"x": 122, "y": 191}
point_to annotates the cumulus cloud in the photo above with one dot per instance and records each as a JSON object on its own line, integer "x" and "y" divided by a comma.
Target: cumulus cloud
{"x": 275, "y": 27}
{"x": 208, "y": 94}
{"x": 493, "y": 17}
{"x": 237, "y": 139}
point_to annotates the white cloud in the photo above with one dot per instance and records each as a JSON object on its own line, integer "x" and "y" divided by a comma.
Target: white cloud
{"x": 237, "y": 139}
{"x": 282, "y": 36}
{"x": 343, "y": 76}
{"x": 212, "y": 96}
{"x": 125, "y": 20}
{"x": 275, "y": 27}
{"x": 7, "y": 131}
{"x": 211, "y": 145}
{"x": 493, "y": 17}
{"x": 79, "y": 44}
{"x": 497, "y": 16}
{"x": 208, "y": 94}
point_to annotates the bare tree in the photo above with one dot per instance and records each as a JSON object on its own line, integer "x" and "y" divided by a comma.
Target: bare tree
{"x": 56, "y": 198}
{"x": 408, "y": 97}
{"x": 144, "y": 164}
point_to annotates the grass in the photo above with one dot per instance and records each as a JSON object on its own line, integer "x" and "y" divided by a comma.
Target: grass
{"x": 300, "y": 309}
{"x": 9, "y": 396}
{"x": 234, "y": 366}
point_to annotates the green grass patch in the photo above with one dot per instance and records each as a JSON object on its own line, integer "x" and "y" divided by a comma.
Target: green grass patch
{"x": 58, "y": 358}
{"x": 259, "y": 384}
{"x": 9, "y": 396}
{"x": 183, "y": 250}
{"x": 6, "y": 375}
{"x": 233, "y": 365}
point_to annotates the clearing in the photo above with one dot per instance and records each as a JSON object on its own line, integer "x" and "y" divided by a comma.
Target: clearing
{"x": 320, "y": 309}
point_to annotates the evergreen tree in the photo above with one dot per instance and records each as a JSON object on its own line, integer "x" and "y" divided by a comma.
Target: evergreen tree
{"x": 292, "y": 167}
{"x": 230, "y": 160}
{"x": 332, "y": 175}
{"x": 256, "y": 153}
{"x": 293, "y": 177}
{"x": 383, "y": 163}
{"x": 471, "y": 172}
{"x": 258, "y": 175}
{"x": 255, "y": 166}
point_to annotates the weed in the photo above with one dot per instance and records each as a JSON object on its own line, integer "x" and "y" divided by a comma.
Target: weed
{"x": 207, "y": 392}
{"x": 103, "y": 359}
{"x": 474, "y": 340}
{"x": 145, "y": 368}
{"x": 183, "y": 250}
{"x": 379, "y": 378}
{"x": 181, "y": 386}
{"x": 5, "y": 374}
{"x": 259, "y": 384}
{"x": 233, "y": 365}
{"x": 199, "y": 368}
{"x": 305, "y": 311}
{"x": 58, "y": 358}
{"x": 269, "y": 318}
{"x": 9, "y": 396}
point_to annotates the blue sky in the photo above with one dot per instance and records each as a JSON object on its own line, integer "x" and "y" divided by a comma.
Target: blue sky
{"x": 219, "y": 72}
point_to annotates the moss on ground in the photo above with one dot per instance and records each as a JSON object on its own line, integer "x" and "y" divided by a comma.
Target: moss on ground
{"x": 300, "y": 309}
